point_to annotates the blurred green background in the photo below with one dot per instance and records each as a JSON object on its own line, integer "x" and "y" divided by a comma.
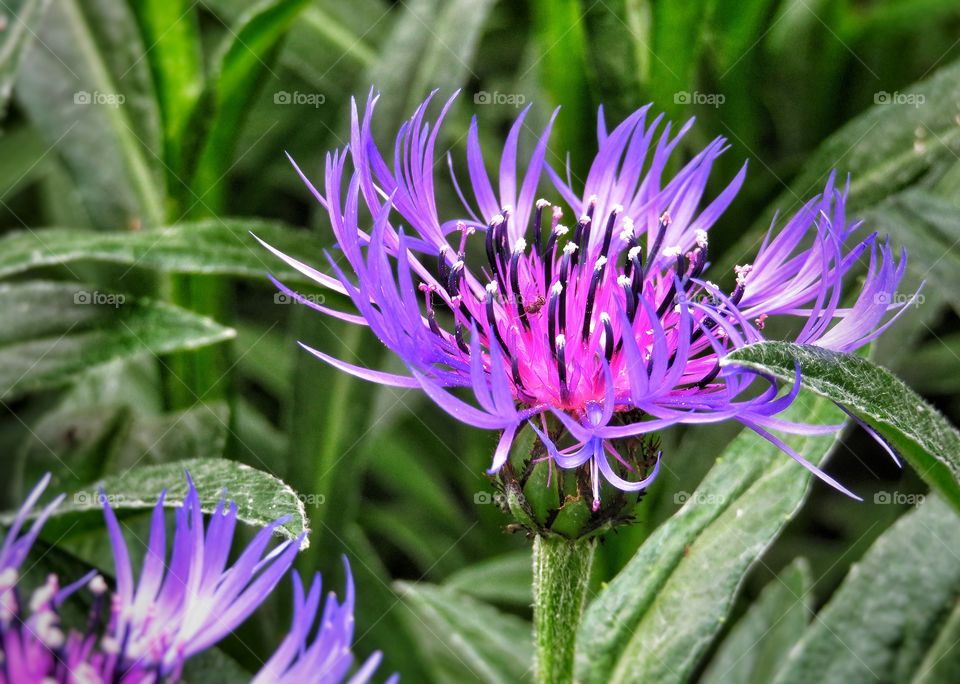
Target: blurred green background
{"x": 143, "y": 140}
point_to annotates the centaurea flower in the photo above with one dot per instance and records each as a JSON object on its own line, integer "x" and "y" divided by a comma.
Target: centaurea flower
{"x": 327, "y": 659}
{"x": 144, "y": 631}
{"x": 593, "y": 308}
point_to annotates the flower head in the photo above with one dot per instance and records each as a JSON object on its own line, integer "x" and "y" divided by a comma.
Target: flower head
{"x": 592, "y": 307}
{"x": 327, "y": 659}
{"x": 142, "y": 631}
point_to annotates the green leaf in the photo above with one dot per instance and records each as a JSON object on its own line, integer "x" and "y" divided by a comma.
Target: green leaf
{"x": 562, "y": 42}
{"x": 928, "y": 226}
{"x": 21, "y": 18}
{"x": 886, "y": 615}
{"x": 887, "y": 149}
{"x": 934, "y": 367}
{"x": 240, "y": 65}
{"x": 214, "y": 247}
{"x": 465, "y": 639}
{"x": 432, "y": 45}
{"x": 171, "y": 29}
{"x": 687, "y": 573}
{"x": 761, "y": 640}
{"x": 260, "y": 497}
{"x": 920, "y": 433}
{"x": 86, "y": 87}
{"x": 54, "y": 331}
{"x": 82, "y": 443}
{"x": 503, "y": 580}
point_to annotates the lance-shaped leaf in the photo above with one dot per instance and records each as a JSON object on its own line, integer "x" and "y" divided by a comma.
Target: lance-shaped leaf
{"x": 86, "y": 87}
{"x": 214, "y": 247}
{"x": 892, "y": 611}
{"x": 465, "y": 639}
{"x": 658, "y": 617}
{"x": 53, "y": 331}
{"x": 761, "y": 640}
{"x": 260, "y": 497}
{"x": 913, "y": 427}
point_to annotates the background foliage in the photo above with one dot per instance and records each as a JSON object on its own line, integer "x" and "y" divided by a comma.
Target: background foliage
{"x": 143, "y": 140}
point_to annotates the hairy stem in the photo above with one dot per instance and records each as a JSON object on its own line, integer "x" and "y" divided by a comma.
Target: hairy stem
{"x": 561, "y": 575}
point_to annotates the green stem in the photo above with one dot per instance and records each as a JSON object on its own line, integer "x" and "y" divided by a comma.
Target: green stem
{"x": 561, "y": 575}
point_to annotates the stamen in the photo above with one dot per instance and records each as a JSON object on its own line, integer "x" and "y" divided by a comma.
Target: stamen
{"x": 591, "y": 296}
{"x": 658, "y": 241}
{"x": 537, "y": 226}
{"x": 630, "y": 296}
{"x": 455, "y": 277}
{"x": 608, "y": 234}
{"x": 607, "y": 336}
{"x": 549, "y": 253}
{"x": 442, "y": 267}
{"x": 552, "y": 315}
{"x": 491, "y": 289}
{"x": 582, "y": 235}
{"x": 635, "y": 262}
{"x": 458, "y": 335}
{"x": 518, "y": 250}
{"x": 561, "y": 343}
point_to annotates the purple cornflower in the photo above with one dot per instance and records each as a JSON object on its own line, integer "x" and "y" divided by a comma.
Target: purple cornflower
{"x": 603, "y": 319}
{"x": 327, "y": 659}
{"x": 180, "y": 606}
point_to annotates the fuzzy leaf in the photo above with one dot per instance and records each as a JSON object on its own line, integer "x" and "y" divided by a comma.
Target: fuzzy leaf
{"x": 465, "y": 639}
{"x": 920, "y": 433}
{"x": 261, "y": 498}
{"x": 657, "y": 618}
{"x": 216, "y": 247}
{"x": 54, "y": 331}
{"x": 890, "y": 609}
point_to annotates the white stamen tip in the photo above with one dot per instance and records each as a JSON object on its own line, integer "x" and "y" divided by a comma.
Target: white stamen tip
{"x": 561, "y": 340}
{"x": 601, "y": 262}
{"x": 491, "y": 287}
{"x": 542, "y": 203}
{"x": 673, "y": 251}
{"x": 617, "y": 209}
{"x": 560, "y": 230}
{"x": 634, "y": 252}
{"x": 623, "y": 281}
{"x": 496, "y": 220}
{"x": 97, "y": 585}
{"x": 569, "y": 248}
{"x": 557, "y": 288}
{"x": 584, "y": 218}
{"x": 520, "y": 246}
{"x": 701, "y": 237}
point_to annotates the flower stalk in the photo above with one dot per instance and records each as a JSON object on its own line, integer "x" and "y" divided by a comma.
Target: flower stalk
{"x": 561, "y": 576}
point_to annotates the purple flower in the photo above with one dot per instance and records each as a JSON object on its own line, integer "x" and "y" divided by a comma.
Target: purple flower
{"x": 181, "y": 605}
{"x": 592, "y": 307}
{"x": 327, "y": 659}
{"x": 185, "y": 603}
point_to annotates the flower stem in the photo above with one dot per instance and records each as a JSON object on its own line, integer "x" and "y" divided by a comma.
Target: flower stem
{"x": 561, "y": 575}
